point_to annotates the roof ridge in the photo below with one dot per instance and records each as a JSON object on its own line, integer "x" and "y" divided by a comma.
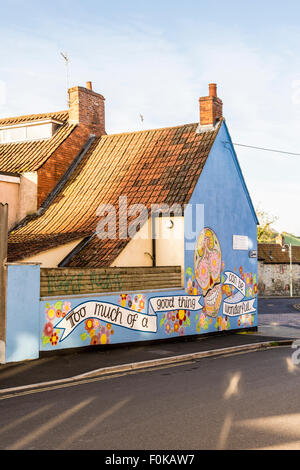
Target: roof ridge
{"x": 30, "y": 116}
{"x": 149, "y": 130}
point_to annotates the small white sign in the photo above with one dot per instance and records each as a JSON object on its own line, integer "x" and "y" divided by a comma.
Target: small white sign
{"x": 240, "y": 242}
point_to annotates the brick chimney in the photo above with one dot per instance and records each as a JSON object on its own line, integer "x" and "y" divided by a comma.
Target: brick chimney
{"x": 87, "y": 107}
{"x": 211, "y": 107}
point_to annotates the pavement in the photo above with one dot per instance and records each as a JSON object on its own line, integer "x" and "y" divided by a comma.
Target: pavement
{"x": 62, "y": 367}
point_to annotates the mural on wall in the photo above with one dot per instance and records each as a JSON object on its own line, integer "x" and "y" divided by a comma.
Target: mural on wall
{"x": 226, "y": 293}
{"x": 207, "y": 265}
{"x": 214, "y": 299}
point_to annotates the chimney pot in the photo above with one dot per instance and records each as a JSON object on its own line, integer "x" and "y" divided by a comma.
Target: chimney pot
{"x": 89, "y": 85}
{"x": 212, "y": 89}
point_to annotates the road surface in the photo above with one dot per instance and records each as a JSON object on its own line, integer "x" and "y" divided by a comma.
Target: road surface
{"x": 242, "y": 401}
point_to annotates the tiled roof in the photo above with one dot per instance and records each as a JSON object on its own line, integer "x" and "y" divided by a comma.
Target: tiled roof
{"x": 56, "y": 115}
{"x": 149, "y": 167}
{"x": 30, "y": 155}
{"x": 271, "y": 253}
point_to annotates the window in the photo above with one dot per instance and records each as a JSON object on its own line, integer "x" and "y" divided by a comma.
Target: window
{"x": 35, "y": 131}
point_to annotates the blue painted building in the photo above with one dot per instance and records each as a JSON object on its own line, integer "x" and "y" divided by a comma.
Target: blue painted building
{"x": 113, "y": 210}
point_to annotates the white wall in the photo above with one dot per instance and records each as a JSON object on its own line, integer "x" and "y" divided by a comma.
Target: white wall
{"x": 169, "y": 245}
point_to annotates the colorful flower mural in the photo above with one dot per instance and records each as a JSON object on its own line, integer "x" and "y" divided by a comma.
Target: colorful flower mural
{"x": 97, "y": 332}
{"x": 133, "y": 301}
{"x": 53, "y": 313}
{"x": 207, "y": 266}
{"x": 209, "y": 277}
{"x": 176, "y": 322}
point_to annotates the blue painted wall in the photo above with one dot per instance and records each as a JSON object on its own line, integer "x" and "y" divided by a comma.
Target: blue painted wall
{"x": 227, "y": 211}
{"x": 23, "y": 319}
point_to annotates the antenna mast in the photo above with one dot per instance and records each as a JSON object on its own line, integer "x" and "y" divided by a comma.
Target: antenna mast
{"x": 67, "y": 63}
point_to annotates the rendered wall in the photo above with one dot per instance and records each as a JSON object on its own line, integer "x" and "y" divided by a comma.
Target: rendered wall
{"x": 220, "y": 282}
{"x": 22, "y": 324}
{"x": 9, "y": 194}
{"x": 51, "y": 258}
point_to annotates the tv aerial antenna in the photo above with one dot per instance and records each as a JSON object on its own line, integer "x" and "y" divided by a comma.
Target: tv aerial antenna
{"x": 67, "y": 63}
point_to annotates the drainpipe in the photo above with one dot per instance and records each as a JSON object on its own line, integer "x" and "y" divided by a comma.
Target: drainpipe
{"x": 3, "y": 260}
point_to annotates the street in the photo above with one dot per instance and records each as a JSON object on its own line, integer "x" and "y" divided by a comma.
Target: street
{"x": 279, "y": 316}
{"x": 242, "y": 401}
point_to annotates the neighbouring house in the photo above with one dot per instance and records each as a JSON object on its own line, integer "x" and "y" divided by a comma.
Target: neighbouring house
{"x": 275, "y": 267}
{"x": 142, "y": 236}
{"x": 37, "y": 150}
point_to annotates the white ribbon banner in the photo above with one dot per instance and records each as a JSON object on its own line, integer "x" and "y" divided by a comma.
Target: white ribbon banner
{"x": 125, "y": 317}
{"x": 236, "y": 305}
{"x": 176, "y": 302}
{"x": 110, "y": 313}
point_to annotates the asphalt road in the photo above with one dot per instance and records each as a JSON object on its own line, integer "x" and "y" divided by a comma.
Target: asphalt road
{"x": 244, "y": 401}
{"x": 273, "y": 305}
{"x": 279, "y": 316}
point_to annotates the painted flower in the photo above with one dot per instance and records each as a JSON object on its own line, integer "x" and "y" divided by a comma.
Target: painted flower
{"x": 51, "y": 313}
{"x": 94, "y": 340}
{"x": 122, "y": 300}
{"x": 169, "y": 316}
{"x": 255, "y": 289}
{"x": 168, "y": 328}
{"x": 181, "y": 331}
{"x": 58, "y": 313}
{"x": 181, "y": 315}
{"x": 54, "y": 339}
{"x": 89, "y": 324}
{"x": 104, "y": 338}
{"x": 48, "y": 329}
{"x": 66, "y": 308}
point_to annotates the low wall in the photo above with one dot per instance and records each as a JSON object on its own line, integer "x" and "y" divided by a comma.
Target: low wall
{"x": 63, "y": 321}
{"x": 73, "y": 281}
{"x": 274, "y": 279}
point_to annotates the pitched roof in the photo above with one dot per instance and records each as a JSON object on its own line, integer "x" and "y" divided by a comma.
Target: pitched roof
{"x": 26, "y": 156}
{"x": 149, "y": 167}
{"x": 271, "y": 253}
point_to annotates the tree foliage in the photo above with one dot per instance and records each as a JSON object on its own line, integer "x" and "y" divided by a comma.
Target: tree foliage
{"x": 265, "y": 233}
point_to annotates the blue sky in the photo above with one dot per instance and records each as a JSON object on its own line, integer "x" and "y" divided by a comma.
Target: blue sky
{"x": 156, "y": 58}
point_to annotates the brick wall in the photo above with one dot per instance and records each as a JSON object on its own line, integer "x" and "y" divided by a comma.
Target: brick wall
{"x": 56, "y": 165}
{"x": 87, "y": 107}
{"x": 274, "y": 279}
